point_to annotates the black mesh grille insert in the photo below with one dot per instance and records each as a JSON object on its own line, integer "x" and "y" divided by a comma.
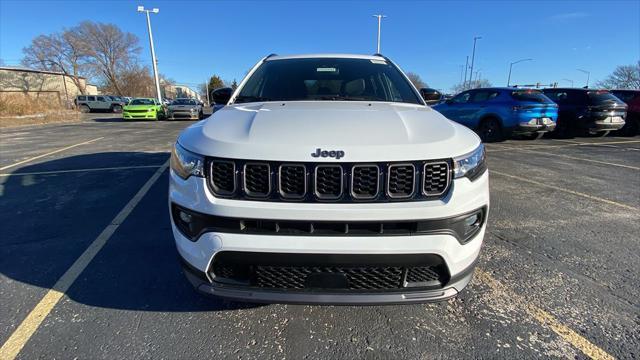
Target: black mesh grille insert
{"x": 365, "y": 181}
{"x": 357, "y": 278}
{"x": 293, "y": 181}
{"x": 257, "y": 179}
{"x": 329, "y": 181}
{"x": 307, "y": 272}
{"x": 222, "y": 177}
{"x": 436, "y": 178}
{"x": 401, "y": 180}
{"x": 422, "y": 274}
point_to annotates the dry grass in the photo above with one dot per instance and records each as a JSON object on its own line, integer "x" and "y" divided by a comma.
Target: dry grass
{"x": 18, "y": 109}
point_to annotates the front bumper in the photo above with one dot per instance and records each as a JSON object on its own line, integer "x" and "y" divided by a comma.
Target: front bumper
{"x": 140, "y": 115}
{"x": 605, "y": 125}
{"x": 182, "y": 115}
{"x": 200, "y": 282}
{"x": 198, "y": 256}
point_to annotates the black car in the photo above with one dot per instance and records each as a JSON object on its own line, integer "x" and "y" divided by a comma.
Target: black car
{"x": 587, "y": 111}
{"x": 632, "y": 99}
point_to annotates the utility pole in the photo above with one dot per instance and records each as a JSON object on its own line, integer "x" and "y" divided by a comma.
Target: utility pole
{"x": 153, "y": 51}
{"x": 473, "y": 54}
{"x": 207, "y": 85}
{"x": 379, "y": 25}
{"x": 588, "y": 75}
{"x": 511, "y": 66}
{"x": 466, "y": 67}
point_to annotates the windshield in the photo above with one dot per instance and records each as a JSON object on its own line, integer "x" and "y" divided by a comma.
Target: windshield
{"x": 530, "y": 95}
{"x": 327, "y": 79}
{"x": 183, "y": 102}
{"x": 597, "y": 97}
{"x": 141, "y": 102}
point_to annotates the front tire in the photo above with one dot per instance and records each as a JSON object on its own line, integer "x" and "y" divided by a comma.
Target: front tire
{"x": 85, "y": 109}
{"x": 116, "y": 109}
{"x": 490, "y": 130}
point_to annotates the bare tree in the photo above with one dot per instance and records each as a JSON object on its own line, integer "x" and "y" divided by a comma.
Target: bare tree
{"x": 59, "y": 52}
{"x": 111, "y": 51}
{"x": 480, "y": 83}
{"x": 416, "y": 80}
{"x": 623, "y": 77}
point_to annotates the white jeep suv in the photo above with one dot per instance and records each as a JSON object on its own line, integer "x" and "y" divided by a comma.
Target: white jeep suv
{"x": 326, "y": 179}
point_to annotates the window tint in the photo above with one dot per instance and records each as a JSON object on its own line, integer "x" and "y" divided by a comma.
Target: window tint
{"x": 461, "y": 98}
{"x": 625, "y": 96}
{"x": 599, "y": 97}
{"x": 91, "y": 98}
{"x": 483, "y": 95}
{"x": 530, "y": 95}
{"x": 101, "y": 98}
{"x": 142, "y": 102}
{"x": 82, "y": 98}
{"x": 557, "y": 96}
{"x": 327, "y": 79}
{"x": 183, "y": 102}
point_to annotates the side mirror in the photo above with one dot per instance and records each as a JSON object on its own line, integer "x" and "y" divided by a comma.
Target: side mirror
{"x": 431, "y": 96}
{"x": 221, "y": 96}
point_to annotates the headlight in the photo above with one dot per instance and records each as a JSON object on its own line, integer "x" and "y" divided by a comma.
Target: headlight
{"x": 185, "y": 163}
{"x": 193, "y": 110}
{"x": 471, "y": 165}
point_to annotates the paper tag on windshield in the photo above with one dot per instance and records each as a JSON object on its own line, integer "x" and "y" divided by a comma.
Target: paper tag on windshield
{"x": 326, "y": 69}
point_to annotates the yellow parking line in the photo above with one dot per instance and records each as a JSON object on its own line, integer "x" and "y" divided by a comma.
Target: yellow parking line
{"x": 12, "y": 347}
{"x": 54, "y": 172}
{"x": 47, "y": 154}
{"x": 591, "y": 197}
{"x": 544, "y": 318}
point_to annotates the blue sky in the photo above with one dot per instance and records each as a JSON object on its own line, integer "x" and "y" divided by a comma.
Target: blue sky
{"x": 195, "y": 39}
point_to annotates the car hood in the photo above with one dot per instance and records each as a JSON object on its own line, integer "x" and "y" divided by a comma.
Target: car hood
{"x": 292, "y": 131}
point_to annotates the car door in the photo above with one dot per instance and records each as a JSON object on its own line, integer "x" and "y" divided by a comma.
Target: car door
{"x": 102, "y": 103}
{"x": 451, "y": 108}
{"x": 91, "y": 102}
{"x": 475, "y": 107}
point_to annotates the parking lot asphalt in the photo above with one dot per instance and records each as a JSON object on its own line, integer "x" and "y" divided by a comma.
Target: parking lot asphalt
{"x": 558, "y": 274}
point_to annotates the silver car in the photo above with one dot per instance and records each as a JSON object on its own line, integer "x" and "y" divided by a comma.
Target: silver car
{"x": 184, "y": 109}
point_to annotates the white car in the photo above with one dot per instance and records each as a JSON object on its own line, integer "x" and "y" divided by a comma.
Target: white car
{"x": 326, "y": 179}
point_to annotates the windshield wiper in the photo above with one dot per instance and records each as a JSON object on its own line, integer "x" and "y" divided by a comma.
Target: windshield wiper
{"x": 245, "y": 98}
{"x": 343, "y": 98}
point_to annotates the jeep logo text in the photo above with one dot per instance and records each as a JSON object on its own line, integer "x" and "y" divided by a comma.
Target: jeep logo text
{"x": 328, "y": 153}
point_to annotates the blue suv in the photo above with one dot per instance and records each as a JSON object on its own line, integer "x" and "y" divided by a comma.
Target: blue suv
{"x": 496, "y": 113}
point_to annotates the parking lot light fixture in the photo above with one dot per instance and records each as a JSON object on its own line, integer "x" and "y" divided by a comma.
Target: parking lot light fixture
{"x": 153, "y": 52}
{"x": 588, "y": 75}
{"x": 569, "y": 81}
{"x": 511, "y": 66}
{"x": 379, "y": 24}
{"x": 473, "y": 56}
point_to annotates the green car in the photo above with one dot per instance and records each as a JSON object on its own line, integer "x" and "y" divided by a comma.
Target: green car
{"x": 143, "y": 108}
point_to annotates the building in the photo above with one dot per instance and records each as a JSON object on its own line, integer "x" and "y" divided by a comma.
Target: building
{"x": 50, "y": 86}
{"x": 172, "y": 91}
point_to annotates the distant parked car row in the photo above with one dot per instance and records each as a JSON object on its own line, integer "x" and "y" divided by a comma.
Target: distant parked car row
{"x": 498, "y": 113}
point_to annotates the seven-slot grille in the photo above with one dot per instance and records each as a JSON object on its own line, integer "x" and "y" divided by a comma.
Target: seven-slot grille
{"x": 343, "y": 182}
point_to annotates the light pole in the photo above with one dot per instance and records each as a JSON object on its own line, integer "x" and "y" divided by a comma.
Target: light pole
{"x": 473, "y": 54}
{"x": 379, "y": 24}
{"x": 466, "y": 68}
{"x": 569, "y": 81}
{"x": 153, "y": 51}
{"x": 586, "y": 72}
{"x": 511, "y": 65}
